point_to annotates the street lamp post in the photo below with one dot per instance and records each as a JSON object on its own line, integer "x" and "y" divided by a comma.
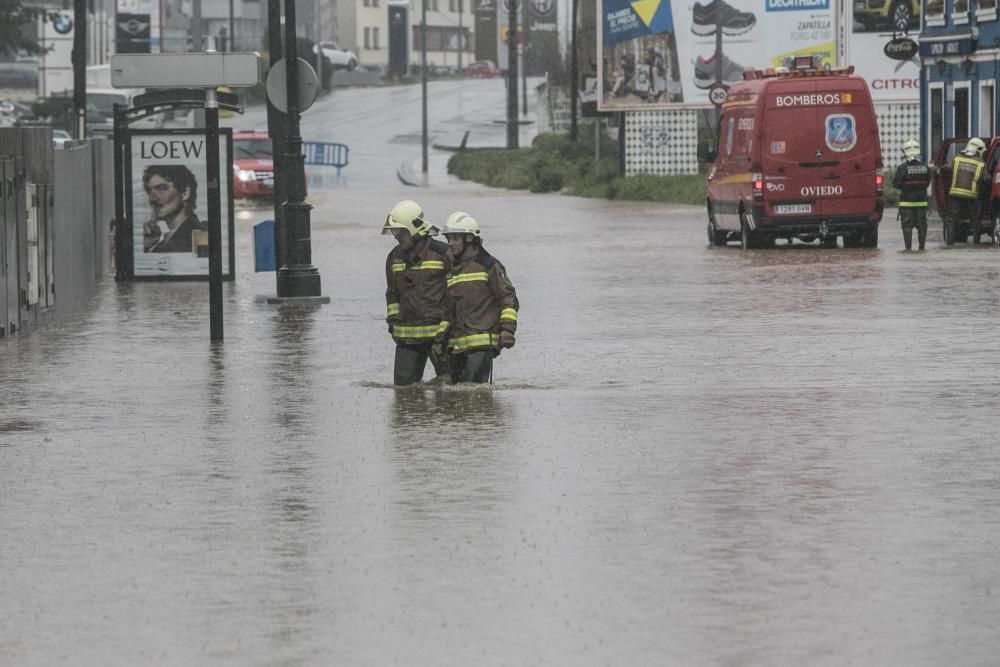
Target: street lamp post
{"x": 512, "y": 73}
{"x": 277, "y": 131}
{"x": 423, "y": 82}
{"x": 574, "y": 75}
{"x": 524, "y": 59}
{"x": 298, "y": 278}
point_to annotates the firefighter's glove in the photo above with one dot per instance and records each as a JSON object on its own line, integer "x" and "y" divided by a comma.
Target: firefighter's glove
{"x": 506, "y": 339}
{"x": 440, "y": 345}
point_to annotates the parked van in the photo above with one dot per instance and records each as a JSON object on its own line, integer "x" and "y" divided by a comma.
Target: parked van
{"x": 797, "y": 156}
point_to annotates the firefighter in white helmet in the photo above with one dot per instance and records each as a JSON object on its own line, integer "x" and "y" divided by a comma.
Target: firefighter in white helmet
{"x": 912, "y": 178}
{"x": 485, "y": 303}
{"x": 965, "y": 178}
{"x": 418, "y": 307}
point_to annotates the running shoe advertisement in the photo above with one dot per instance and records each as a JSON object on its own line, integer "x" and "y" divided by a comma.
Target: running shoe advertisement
{"x": 669, "y": 54}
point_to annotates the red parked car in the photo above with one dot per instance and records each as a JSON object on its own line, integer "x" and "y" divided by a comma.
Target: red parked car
{"x": 484, "y": 68}
{"x": 253, "y": 165}
{"x": 989, "y": 201}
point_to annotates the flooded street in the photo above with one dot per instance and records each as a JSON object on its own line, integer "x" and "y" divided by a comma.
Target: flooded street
{"x": 693, "y": 456}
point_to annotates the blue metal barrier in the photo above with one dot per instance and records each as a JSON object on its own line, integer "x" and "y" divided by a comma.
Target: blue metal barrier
{"x": 263, "y": 246}
{"x": 330, "y": 155}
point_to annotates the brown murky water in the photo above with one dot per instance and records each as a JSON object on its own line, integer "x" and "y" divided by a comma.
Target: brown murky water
{"x": 693, "y": 456}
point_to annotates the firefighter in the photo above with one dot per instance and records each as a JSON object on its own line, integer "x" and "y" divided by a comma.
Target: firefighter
{"x": 485, "y": 304}
{"x": 911, "y": 179}
{"x": 965, "y": 179}
{"x": 416, "y": 296}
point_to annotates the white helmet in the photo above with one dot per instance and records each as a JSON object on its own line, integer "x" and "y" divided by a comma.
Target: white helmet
{"x": 407, "y": 215}
{"x": 461, "y": 223}
{"x": 975, "y": 147}
{"x": 911, "y": 148}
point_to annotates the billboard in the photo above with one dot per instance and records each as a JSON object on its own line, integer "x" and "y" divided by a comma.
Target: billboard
{"x": 166, "y": 203}
{"x": 663, "y": 54}
{"x": 871, "y": 28}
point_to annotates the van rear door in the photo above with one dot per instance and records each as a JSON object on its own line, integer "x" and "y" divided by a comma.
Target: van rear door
{"x": 831, "y": 170}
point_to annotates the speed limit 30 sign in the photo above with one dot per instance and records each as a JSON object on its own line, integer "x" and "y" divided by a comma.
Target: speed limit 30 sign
{"x": 717, "y": 94}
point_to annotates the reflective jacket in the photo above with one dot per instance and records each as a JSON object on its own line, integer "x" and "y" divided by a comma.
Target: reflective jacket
{"x": 484, "y": 300}
{"x": 911, "y": 179}
{"x": 966, "y": 173}
{"x": 417, "y": 305}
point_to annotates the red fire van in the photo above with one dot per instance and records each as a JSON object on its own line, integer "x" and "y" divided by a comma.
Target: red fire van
{"x": 797, "y": 156}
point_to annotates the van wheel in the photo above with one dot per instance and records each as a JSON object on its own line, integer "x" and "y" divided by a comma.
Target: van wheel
{"x": 716, "y": 237}
{"x": 869, "y": 237}
{"x": 948, "y": 232}
{"x": 996, "y": 229}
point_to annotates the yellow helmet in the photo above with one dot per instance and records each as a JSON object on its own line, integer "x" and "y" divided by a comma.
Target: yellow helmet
{"x": 911, "y": 148}
{"x": 407, "y": 215}
{"x": 461, "y": 223}
{"x": 975, "y": 147}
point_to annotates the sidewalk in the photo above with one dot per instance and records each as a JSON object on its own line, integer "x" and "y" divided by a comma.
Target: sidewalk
{"x": 479, "y": 135}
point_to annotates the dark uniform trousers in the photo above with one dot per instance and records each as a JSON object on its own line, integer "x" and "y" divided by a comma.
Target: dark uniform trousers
{"x": 412, "y": 359}
{"x": 472, "y": 366}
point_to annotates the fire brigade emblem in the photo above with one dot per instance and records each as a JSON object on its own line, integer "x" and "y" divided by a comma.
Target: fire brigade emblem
{"x": 841, "y": 132}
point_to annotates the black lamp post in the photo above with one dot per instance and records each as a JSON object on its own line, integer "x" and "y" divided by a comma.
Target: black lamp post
{"x": 512, "y": 120}
{"x": 298, "y": 277}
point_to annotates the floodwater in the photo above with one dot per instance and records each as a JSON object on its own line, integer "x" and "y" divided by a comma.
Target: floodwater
{"x": 693, "y": 456}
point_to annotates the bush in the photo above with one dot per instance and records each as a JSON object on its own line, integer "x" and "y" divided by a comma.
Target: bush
{"x": 554, "y": 163}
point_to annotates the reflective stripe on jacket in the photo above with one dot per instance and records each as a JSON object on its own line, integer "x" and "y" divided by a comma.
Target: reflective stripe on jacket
{"x": 965, "y": 174}
{"x": 417, "y": 305}
{"x": 911, "y": 179}
{"x": 484, "y": 299}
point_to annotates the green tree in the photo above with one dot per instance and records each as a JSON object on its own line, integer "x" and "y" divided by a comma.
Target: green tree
{"x": 13, "y": 17}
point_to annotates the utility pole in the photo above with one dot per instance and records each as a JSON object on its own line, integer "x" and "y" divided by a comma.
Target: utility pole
{"x": 79, "y": 60}
{"x": 461, "y": 35}
{"x": 231, "y": 46}
{"x": 423, "y": 79}
{"x": 197, "y": 29}
{"x": 299, "y": 278}
{"x": 512, "y": 125}
{"x": 574, "y": 76}
{"x": 524, "y": 59}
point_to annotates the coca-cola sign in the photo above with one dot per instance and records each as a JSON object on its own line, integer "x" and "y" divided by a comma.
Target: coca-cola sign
{"x": 901, "y": 48}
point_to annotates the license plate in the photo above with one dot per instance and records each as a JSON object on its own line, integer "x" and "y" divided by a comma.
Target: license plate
{"x": 792, "y": 208}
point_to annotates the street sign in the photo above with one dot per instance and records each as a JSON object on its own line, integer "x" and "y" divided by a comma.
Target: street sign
{"x": 185, "y": 70}
{"x": 717, "y": 94}
{"x": 277, "y": 86}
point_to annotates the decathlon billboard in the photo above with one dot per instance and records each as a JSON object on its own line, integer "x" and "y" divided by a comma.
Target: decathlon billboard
{"x": 661, "y": 54}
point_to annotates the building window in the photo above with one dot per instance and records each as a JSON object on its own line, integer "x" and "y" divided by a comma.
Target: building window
{"x": 368, "y": 34}
{"x": 441, "y": 38}
{"x": 375, "y": 38}
{"x": 937, "y": 118}
{"x": 961, "y": 119}
{"x": 986, "y": 110}
{"x": 934, "y": 9}
{"x": 451, "y": 5}
{"x": 368, "y": 3}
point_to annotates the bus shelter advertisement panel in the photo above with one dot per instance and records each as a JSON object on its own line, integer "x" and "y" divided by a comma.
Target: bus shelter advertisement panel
{"x": 661, "y": 54}
{"x": 168, "y": 203}
{"x": 889, "y": 80}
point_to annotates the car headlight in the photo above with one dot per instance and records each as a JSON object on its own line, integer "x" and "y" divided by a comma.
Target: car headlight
{"x": 244, "y": 175}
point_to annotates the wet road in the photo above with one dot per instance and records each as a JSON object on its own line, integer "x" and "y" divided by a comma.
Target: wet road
{"x": 693, "y": 456}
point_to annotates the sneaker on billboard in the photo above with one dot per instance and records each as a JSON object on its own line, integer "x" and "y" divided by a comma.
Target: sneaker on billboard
{"x": 717, "y": 15}
{"x": 704, "y": 72}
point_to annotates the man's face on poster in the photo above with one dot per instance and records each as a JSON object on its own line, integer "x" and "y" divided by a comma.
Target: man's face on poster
{"x": 165, "y": 199}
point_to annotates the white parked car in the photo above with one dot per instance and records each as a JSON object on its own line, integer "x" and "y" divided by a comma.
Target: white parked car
{"x": 338, "y": 57}
{"x": 60, "y": 137}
